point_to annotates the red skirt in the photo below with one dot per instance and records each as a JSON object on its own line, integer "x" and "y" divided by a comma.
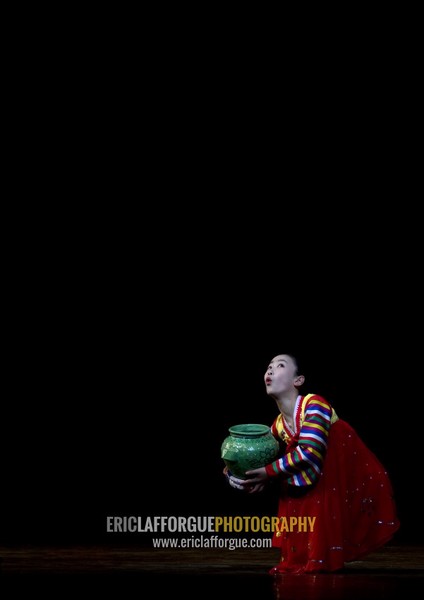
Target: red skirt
{"x": 349, "y": 513}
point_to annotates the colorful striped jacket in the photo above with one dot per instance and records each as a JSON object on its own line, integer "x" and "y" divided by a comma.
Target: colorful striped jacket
{"x": 302, "y": 463}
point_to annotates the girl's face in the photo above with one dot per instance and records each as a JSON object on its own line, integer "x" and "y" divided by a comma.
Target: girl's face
{"x": 281, "y": 376}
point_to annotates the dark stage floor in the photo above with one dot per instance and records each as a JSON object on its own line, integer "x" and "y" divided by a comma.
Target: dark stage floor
{"x": 393, "y": 572}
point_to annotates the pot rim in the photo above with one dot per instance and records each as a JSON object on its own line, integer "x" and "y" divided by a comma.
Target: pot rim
{"x": 249, "y": 430}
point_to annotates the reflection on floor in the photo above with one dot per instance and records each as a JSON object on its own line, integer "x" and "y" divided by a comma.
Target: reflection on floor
{"x": 393, "y": 572}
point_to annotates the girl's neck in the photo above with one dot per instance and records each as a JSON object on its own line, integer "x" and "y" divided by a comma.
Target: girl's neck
{"x": 286, "y": 405}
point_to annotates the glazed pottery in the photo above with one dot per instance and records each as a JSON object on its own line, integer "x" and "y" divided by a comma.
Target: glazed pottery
{"x": 249, "y": 446}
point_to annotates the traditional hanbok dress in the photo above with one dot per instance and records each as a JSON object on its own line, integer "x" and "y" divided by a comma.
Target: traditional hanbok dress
{"x": 336, "y": 502}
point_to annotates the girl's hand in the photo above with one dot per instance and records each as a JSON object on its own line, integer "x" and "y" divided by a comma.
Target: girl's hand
{"x": 256, "y": 482}
{"x": 235, "y": 482}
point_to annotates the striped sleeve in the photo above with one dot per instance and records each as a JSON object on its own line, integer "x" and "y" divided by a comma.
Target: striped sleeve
{"x": 302, "y": 466}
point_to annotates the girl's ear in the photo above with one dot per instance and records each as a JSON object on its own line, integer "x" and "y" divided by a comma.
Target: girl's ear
{"x": 300, "y": 380}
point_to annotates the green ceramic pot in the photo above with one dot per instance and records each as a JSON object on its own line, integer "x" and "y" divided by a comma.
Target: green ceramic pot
{"x": 248, "y": 446}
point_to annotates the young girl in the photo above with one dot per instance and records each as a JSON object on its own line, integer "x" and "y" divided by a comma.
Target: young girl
{"x": 336, "y": 503}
